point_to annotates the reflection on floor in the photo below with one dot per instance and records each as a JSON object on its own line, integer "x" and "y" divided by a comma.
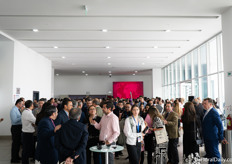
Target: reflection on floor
{"x": 5, "y": 153}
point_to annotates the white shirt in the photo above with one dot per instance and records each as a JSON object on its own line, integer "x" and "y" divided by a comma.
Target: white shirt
{"x": 130, "y": 130}
{"x": 207, "y": 112}
{"x": 27, "y": 120}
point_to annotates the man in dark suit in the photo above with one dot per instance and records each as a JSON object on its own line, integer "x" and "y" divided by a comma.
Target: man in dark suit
{"x": 212, "y": 132}
{"x": 63, "y": 115}
{"x": 46, "y": 151}
{"x": 71, "y": 139}
{"x": 171, "y": 124}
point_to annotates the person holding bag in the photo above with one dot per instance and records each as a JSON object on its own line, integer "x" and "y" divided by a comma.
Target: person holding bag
{"x": 134, "y": 131}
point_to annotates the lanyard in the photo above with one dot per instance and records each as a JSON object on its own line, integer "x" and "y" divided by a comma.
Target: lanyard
{"x": 53, "y": 123}
{"x": 137, "y": 126}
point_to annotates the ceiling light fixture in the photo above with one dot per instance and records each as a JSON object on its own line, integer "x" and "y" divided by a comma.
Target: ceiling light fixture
{"x": 63, "y": 57}
{"x": 109, "y": 63}
{"x": 143, "y": 63}
{"x": 35, "y": 30}
{"x": 107, "y": 47}
{"x": 148, "y": 57}
{"x": 104, "y": 30}
{"x": 108, "y": 57}
{"x": 155, "y": 47}
{"x": 167, "y": 30}
{"x": 55, "y": 47}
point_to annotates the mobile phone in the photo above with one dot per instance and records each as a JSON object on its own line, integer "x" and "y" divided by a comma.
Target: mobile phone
{"x": 145, "y": 129}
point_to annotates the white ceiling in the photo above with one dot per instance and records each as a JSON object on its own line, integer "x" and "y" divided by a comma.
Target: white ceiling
{"x": 134, "y": 28}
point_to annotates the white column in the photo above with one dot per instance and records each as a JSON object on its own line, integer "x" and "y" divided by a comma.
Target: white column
{"x": 227, "y": 53}
{"x": 157, "y": 82}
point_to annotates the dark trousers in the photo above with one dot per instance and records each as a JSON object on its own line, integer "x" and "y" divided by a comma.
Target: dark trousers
{"x": 110, "y": 158}
{"x": 28, "y": 140}
{"x": 142, "y": 157}
{"x": 16, "y": 132}
{"x": 172, "y": 151}
{"x": 134, "y": 152}
{"x": 96, "y": 156}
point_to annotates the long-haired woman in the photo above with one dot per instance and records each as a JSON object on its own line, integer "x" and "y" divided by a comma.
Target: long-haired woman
{"x": 190, "y": 147}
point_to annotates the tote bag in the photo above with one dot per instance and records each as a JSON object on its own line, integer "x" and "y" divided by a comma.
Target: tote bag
{"x": 161, "y": 135}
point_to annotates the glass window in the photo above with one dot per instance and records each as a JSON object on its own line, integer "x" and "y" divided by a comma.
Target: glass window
{"x": 213, "y": 86}
{"x": 213, "y": 56}
{"x": 177, "y": 90}
{"x": 220, "y": 54}
{"x": 195, "y": 63}
{"x": 203, "y": 60}
{"x": 204, "y": 87}
{"x": 195, "y": 87}
{"x": 163, "y": 77}
{"x": 177, "y": 70}
{"x": 189, "y": 66}
{"x": 183, "y": 68}
{"x": 170, "y": 73}
{"x": 221, "y": 99}
{"x": 174, "y": 72}
{"x": 166, "y": 75}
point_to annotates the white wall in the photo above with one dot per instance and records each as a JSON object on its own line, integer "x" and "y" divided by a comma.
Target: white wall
{"x": 227, "y": 49}
{"x": 32, "y": 72}
{"x": 21, "y": 67}
{"x": 78, "y": 85}
{"x": 6, "y": 84}
{"x": 157, "y": 82}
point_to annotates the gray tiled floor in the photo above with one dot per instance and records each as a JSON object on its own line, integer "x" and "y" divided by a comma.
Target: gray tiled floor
{"x": 5, "y": 151}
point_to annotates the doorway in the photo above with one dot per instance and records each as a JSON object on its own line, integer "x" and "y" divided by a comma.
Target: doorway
{"x": 36, "y": 95}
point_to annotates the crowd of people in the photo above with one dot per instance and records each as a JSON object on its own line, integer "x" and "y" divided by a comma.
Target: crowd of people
{"x": 60, "y": 130}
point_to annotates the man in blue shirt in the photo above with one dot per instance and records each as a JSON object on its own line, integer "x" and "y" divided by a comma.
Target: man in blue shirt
{"x": 16, "y": 130}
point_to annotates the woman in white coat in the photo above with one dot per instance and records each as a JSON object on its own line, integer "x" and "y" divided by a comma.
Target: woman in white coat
{"x": 133, "y": 129}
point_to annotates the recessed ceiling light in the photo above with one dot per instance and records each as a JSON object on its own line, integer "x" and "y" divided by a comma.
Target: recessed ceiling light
{"x": 108, "y": 57}
{"x": 104, "y": 30}
{"x": 57, "y": 74}
{"x": 133, "y": 74}
{"x": 55, "y": 47}
{"x": 136, "y": 71}
{"x": 86, "y": 74}
{"x": 155, "y": 47}
{"x": 83, "y": 71}
{"x": 35, "y": 30}
{"x": 109, "y": 63}
{"x": 107, "y": 47}
{"x": 167, "y": 30}
{"x": 148, "y": 57}
{"x": 143, "y": 63}
{"x": 63, "y": 57}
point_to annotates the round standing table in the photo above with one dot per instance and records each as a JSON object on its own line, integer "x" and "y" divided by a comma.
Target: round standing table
{"x": 106, "y": 150}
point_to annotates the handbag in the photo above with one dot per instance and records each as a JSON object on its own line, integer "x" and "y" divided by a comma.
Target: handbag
{"x": 161, "y": 135}
{"x": 199, "y": 141}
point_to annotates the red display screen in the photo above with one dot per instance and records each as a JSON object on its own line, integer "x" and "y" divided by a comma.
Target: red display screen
{"x": 123, "y": 89}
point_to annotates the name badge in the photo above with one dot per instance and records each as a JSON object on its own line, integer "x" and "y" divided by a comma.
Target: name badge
{"x": 139, "y": 139}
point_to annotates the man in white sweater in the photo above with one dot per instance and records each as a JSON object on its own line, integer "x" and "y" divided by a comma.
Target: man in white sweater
{"x": 28, "y": 122}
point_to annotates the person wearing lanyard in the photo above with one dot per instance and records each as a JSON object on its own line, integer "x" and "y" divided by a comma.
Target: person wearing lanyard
{"x": 46, "y": 150}
{"x": 133, "y": 129}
